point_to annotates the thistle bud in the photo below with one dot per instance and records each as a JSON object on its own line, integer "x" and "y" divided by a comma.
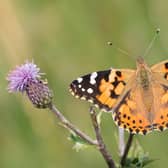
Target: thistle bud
{"x": 39, "y": 93}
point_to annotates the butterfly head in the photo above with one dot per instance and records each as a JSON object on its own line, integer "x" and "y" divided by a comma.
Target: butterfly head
{"x": 140, "y": 62}
{"x": 141, "y": 65}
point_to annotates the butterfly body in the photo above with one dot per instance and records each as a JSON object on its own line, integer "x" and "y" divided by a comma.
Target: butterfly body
{"x": 138, "y": 99}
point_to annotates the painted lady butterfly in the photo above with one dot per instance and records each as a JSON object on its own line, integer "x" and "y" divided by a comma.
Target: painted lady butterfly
{"x": 138, "y": 99}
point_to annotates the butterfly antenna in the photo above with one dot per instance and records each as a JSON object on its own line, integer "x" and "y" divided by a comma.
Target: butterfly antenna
{"x": 152, "y": 42}
{"x": 119, "y": 49}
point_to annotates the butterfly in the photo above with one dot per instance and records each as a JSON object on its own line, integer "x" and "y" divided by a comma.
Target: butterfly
{"x": 137, "y": 99}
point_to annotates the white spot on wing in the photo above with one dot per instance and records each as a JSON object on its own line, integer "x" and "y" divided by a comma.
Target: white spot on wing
{"x": 83, "y": 90}
{"x": 93, "y": 77}
{"x": 79, "y": 86}
{"x": 90, "y": 100}
{"x": 90, "y": 90}
{"x": 80, "y": 80}
{"x": 96, "y": 105}
{"x": 73, "y": 94}
{"x": 83, "y": 98}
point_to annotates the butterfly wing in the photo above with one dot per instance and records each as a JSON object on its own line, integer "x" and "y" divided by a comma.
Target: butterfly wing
{"x": 160, "y": 94}
{"x": 101, "y": 88}
{"x": 161, "y": 68}
{"x": 130, "y": 112}
{"x": 160, "y": 105}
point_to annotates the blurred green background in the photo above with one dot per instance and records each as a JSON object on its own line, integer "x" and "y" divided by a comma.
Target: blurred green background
{"x": 66, "y": 39}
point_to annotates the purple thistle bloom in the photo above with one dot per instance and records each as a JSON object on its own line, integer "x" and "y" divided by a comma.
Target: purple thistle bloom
{"x": 19, "y": 77}
{"x": 27, "y": 77}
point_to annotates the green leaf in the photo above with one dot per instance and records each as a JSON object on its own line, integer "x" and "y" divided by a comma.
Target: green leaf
{"x": 137, "y": 158}
{"x": 79, "y": 143}
{"x": 138, "y": 162}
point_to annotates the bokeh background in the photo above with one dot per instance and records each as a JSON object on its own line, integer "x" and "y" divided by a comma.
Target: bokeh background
{"x": 67, "y": 39}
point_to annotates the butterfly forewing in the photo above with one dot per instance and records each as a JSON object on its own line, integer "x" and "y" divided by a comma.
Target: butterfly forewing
{"x": 101, "y": 88}
{"x": 161, "y": 68}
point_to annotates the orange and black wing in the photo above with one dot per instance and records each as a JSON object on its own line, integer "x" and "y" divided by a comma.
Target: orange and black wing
{"x": 130, "y": 113}
{"x": 161, "y": 68}
{"x": 160, "y": 76}
{"x": 101, "y": 88}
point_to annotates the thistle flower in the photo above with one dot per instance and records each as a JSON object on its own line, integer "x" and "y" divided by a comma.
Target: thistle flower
{"x": 27, "y": 78}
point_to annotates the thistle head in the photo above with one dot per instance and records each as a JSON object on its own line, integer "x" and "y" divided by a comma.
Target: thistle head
{"x": 27, "y": 78}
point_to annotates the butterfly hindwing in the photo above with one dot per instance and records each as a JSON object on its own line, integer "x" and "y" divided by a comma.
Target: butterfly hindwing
{"x": 102, "y": 88}
{"x": 161, "y": 107}
{"x": 160, "y": 73}
{"x": 130, "y": 113}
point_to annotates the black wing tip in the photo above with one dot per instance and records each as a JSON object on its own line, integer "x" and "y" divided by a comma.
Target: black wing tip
{"x": 72, "y": 88}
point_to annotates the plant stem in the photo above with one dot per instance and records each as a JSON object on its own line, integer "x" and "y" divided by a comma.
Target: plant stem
{"x": 128, "y": 145}
{"x": 67, "y": 124}
{"x": 101, "y": 144}
{"x": 121, "y": 143}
